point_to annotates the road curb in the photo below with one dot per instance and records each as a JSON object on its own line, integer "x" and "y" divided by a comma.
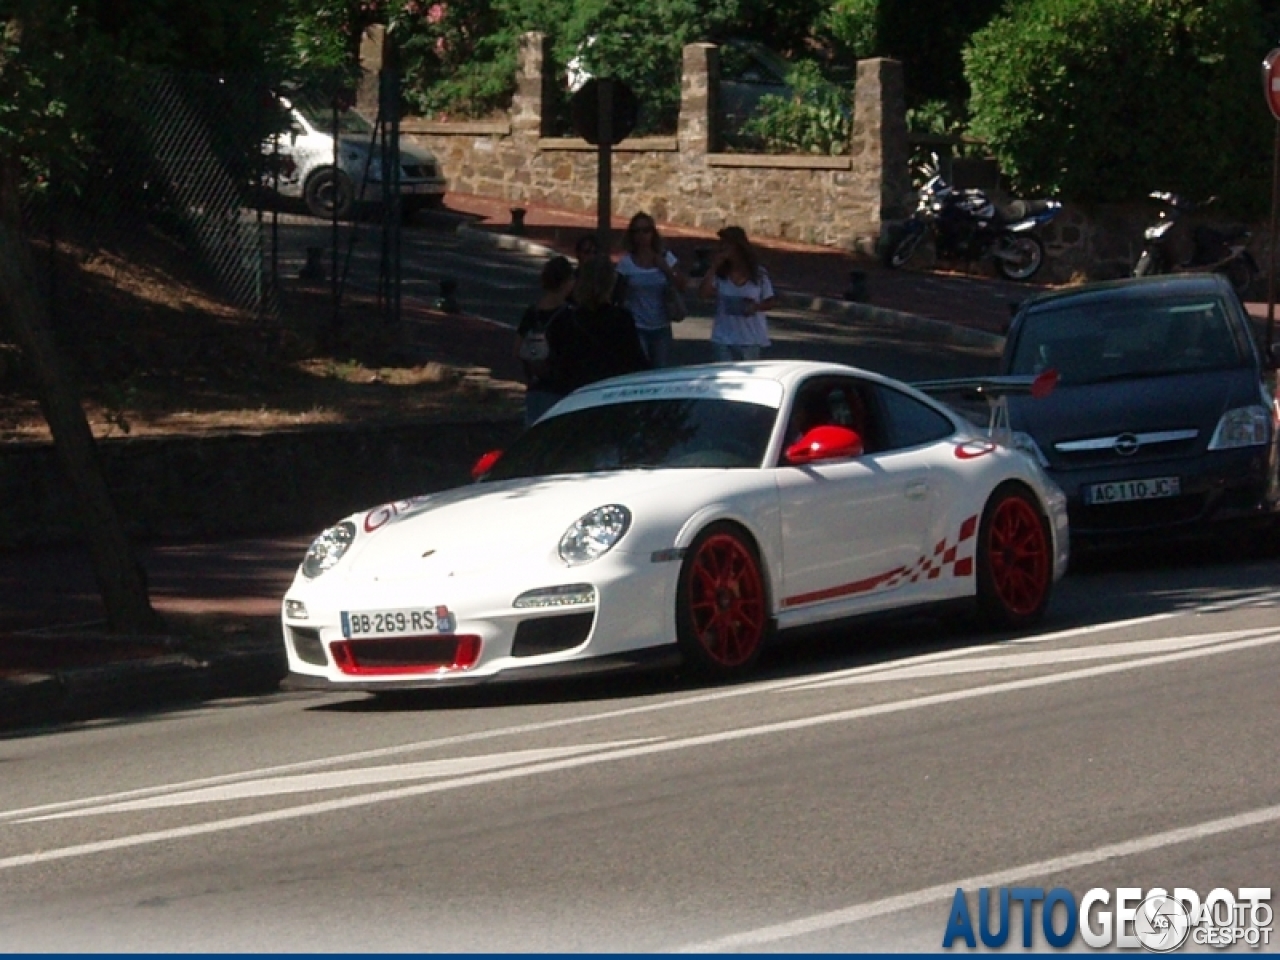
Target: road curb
{"x": 927, "y": 328}
{"x": 181, "y": 678}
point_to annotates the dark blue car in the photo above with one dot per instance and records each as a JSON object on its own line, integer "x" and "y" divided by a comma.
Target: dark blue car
{"x": 1164, "y": 420}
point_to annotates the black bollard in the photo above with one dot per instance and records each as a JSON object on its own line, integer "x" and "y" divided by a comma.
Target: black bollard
{"x": 313, "y": 270}
{"x": 857, "y": 290}
{"x": 448, "y": 299}
{"x": 517, "y": 220}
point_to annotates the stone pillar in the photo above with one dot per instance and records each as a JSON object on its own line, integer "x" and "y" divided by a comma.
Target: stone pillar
{"x": 879, "y": 150}
{"x": 372, "y": 46}
{"x": 697, "y": 133}
{"x": 533, "y": 89}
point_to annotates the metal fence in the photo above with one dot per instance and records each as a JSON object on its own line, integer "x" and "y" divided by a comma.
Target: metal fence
{"x": 197, "y": 158}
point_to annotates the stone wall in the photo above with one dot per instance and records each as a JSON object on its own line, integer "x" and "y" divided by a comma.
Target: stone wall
{"x": 294, "y": 481}
{"x": 833, "y": 200}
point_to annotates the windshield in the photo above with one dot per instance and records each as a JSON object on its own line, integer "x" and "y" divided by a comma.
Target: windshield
{"x": 321, "y": 118}
{"x": 651, "y": 434}
{"x": 1092, "y": 342}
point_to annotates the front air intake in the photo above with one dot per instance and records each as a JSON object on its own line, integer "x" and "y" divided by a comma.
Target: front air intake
{"x": 551, "y": 634}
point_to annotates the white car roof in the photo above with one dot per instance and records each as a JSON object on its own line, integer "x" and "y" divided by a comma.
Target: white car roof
{"x": 766, "y": 382}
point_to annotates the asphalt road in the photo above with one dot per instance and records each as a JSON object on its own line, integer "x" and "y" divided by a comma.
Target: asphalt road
{"x": 833, "y": 804}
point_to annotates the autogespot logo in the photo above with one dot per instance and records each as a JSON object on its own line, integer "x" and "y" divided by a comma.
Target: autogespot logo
{"x": 1154, "y": 920}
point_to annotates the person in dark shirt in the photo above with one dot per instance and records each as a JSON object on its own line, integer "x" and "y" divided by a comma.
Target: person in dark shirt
{"x": 542, "y": 386}
{"x": 598, "y": 339}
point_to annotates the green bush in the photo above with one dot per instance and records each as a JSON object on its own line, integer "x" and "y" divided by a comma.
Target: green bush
{"x": 1106, "y": 100}
{"x": 816, "y": 118}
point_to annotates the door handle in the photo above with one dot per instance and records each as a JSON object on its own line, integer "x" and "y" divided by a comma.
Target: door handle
{"x": 917, "y": 490}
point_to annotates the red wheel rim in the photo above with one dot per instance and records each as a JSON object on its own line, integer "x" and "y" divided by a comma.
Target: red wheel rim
{"x": 1018, "y": 553}
{"x": 726, "y": 600}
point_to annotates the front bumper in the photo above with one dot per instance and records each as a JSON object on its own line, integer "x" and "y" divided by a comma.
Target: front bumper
{"x": 487, "y": 635}
{"x": 1215, "y": 487}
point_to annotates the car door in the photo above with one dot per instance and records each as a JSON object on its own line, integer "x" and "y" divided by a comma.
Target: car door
{"x": 852, "y": 527}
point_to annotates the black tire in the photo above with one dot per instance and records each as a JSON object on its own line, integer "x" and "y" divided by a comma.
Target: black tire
{"x": 722, "y": 609}
{"x": 1241, "y": 275}
{"x": 1015, "y": 559}
{"x": 904, "y": 249}
{"x": 1030, "y": 257}
{"x": 327, "y": 189}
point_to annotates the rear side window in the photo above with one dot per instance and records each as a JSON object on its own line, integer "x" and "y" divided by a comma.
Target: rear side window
{"x": 910, "y": 423}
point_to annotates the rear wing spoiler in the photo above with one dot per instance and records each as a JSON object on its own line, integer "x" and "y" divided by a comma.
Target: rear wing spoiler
{"x": 996, "y": 391}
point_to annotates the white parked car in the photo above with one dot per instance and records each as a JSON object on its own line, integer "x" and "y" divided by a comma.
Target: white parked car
{"x": 692, "y": 510}
{"x": 307, "y": 170}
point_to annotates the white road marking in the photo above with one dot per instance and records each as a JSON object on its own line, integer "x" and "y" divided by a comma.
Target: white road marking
{"x": 341, "y": 779}
{"x": 626, "y": 753}
{"x": 750, "y": 689}
{"x": 1036, "y": 658}
{"x": 999, "y": 878}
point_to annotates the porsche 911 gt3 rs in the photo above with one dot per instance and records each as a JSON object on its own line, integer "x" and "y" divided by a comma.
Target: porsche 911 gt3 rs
{"x": 691, "y": 511}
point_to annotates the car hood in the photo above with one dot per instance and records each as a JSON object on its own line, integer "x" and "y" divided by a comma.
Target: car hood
{"x": 490, "y": 525}
{"x": 409, "y": 153}
{"x": 1141, "y": 405}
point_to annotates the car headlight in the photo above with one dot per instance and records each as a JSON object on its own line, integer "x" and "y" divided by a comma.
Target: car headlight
{"x": 1242, "y": 427}
{"x": 594, "y": 534}
{"x": 327, "y": 549}
{"x": 1027, "y": 444}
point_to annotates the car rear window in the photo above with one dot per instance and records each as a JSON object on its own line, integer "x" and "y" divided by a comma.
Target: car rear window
{"x": 1092, "y": 341}
{"x": 651, "y": 434}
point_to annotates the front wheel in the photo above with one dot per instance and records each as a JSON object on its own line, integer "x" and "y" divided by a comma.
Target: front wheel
{"x": 905, "y": 249}
{"x": 329, "y": 191}
{"x": 1021, "y": 257}
{"x": 1015, "y": 559}
{"x": 1147, "y": 265}
{"x": 722, "y": 617}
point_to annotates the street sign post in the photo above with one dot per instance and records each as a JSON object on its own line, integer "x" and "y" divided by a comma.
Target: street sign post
{"x": 604, "y": 113}
{"x": 1271, "y": 90}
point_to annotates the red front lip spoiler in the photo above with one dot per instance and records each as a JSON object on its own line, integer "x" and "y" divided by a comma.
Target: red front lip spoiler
{"x": 375, "y": 658}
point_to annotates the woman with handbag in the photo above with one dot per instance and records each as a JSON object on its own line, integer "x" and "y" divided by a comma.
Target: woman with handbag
{"x": 743, "y": 293}
{"x": 654, "y": 287}
{"x": 534, "y": 347}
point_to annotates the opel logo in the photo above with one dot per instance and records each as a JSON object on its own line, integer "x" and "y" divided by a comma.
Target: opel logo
{"x": 1126, "y": 445}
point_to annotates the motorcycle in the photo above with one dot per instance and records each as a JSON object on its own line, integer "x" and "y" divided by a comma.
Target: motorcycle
{"x": 967, "y": 225}
{"x": 1222, "y": 250}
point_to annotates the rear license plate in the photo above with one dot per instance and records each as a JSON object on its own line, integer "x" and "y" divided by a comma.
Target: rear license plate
{"x": 396, "y": 623}
{"x": 1153, "y": 488}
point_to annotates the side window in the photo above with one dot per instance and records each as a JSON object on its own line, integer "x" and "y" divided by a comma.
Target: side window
{"x": 910, "y": 423}
{"x": 838, "y": 402}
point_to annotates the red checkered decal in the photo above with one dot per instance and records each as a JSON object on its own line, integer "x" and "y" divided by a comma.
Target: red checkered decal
{"x": 945, "y": 555}
{"x": 945, "y": 559}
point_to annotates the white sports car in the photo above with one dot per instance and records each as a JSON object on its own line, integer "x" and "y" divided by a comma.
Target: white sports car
{"x": 692, "y": 510}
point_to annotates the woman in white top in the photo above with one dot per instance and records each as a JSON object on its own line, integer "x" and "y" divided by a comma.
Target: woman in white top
{"x": 743, "y": 293}
{"x": 647, "y": 268}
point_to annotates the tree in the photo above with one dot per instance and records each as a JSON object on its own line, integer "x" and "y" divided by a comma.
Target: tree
{"x": 1108, "y": 99}
{"x": 27, "y": 65}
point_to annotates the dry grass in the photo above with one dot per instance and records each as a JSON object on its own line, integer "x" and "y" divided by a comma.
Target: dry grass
{"x": 153, "y": 353}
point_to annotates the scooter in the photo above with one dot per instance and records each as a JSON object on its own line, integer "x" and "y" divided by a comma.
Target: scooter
{"x": 967, "y": 225}
{"x": 1222, "y": 250}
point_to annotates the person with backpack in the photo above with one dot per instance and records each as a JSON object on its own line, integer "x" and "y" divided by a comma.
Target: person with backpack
{"x": 543, "y": 387}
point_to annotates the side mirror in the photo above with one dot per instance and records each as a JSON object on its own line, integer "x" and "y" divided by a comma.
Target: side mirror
{"x": 485, "y": 464}
{"x": 825, "y": 443}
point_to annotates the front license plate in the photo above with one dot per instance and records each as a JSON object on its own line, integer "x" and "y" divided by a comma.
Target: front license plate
{"x": 394, "y": 623}
{"x": 1153, "y": 488}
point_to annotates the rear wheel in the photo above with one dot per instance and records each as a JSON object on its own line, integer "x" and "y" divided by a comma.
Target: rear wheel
{"x": 1021, "y": 257}
{"x": 722, "y": 616}
{"x": 1015, "y": 559}
{"x": 1241, "y": 275}
{"x": 905, "y": 249}
{"x": 328, "y": 189}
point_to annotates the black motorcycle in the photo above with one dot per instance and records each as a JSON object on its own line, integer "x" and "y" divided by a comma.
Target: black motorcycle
{"x": 967, "y": 225}
{"x": 1169, "y": 248}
